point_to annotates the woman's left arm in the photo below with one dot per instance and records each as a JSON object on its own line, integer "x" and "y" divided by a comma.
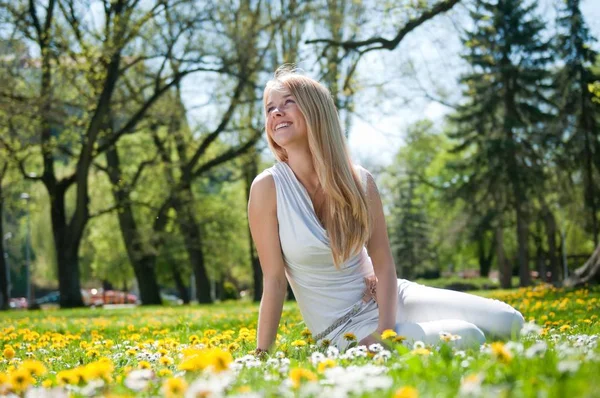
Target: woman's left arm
{"x": 378, "y": 248}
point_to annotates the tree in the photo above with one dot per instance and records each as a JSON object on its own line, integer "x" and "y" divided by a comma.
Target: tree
{"x": 579, "y": 123}
{"x": 4, "y": 298}
{"x": 499, "y": 128}
{"x": 95, "y": 60}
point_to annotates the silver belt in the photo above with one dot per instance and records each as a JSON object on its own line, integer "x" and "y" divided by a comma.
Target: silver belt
{"x": 369, "y": 294}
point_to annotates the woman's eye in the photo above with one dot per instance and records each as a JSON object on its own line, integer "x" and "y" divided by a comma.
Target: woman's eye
{"x": 269, "y": 109}
{"x": 289, "y": 101}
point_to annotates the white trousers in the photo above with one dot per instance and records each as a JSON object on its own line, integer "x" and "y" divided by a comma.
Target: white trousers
{"x": 424, "y": 312}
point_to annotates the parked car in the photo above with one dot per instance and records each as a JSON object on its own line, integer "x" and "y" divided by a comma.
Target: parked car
{"x": 18, "y": 303}
{"x": 118, "y": 297}
{"x": 89, "y": 297}
{"x": 170, "y": 299}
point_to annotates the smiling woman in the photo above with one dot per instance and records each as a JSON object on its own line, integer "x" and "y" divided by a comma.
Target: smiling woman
{"x": 317, "y": 220}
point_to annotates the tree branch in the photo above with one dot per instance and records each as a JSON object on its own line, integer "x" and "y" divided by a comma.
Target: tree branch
{"x": 380, "y": 43}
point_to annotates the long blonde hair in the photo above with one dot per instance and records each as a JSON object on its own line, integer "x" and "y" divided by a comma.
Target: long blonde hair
{"x": 347, "y": 218}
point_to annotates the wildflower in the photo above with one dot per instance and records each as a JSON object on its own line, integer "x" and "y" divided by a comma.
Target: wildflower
{"x": 138, "y": 380}
{"x": 568, "y": 366}
{"x": 306, "y": 333}
{"x": 20, "y": 379}
{"x": 300, "y": 375}
{"x": 375, "y": 347}
{"x": 445, "y": 336}
{"x": 471, "y": 385}
{"x": 349, "y": 336}
{"x": 418, "y": 344}
{"x": 35, "y": 368}
{"x": 332, "y": 352}
{"x": 316, "y": 357}
{"x": 298, "y": 343}
{"x": 9, "y": 352}
{"x": 388, "y": 334}
{"x": 66, "y": 377}
{"x": 164, "y": 372}
{"x": 165, "y": 361}
{"x": 538, "y": 349}
{"x": 174, "y": 387}
{"x": 564, "y": 328}
{"x": 399, "y": 339}
{"x": 144, "y": 365}
{"x": 325, "y": 364}
{"x": 501, "y": 352}
{"x": 421, "y": 351}
{"x": 325, "y": 343}
{"x": 406, "y": 392}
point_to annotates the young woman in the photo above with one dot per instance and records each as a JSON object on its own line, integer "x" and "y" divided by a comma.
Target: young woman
{"x": 317, "y": 221}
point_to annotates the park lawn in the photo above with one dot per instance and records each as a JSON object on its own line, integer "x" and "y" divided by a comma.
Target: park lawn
{"x": 203, "y": 351}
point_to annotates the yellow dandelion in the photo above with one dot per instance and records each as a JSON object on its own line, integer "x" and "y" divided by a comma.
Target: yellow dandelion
{"x": 388, "y": 334}
{"x": 326, "y": 364}
{"x": 232, "y": 347}
{"x": 421, "y": 351}
{"x": 144, "y": 365}
{"x": 306, "y": 333}
{"x": 399, "y": 339}
{"x": 46, "y": 383}
{"x": 174, "y": 387}
{"x": 3, "y": 379}
{"x": 349, "y": 336}
{"x": 298, "y": 376}
{"x": 166, "y": 361}
{"x": 501, "y": 352}
{"x": 325, "y": 343}
{"x": 298, "y": 343}
{"x": 194, "y": 339}
{"x": 220, "y": 360}
{"x": 406, "y": 392}
{"x": 564, "y": 328}
{"x": 66, "y": 377}
{"x": 35, "y": 368}
{"x": 9, "y": 352}
{"x": 20, "y": 379}
{"x": 165, "y": 372}
{"x": 209, "y": 332}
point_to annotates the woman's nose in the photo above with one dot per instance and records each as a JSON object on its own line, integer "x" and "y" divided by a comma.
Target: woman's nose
{"x": 277, "y": 111}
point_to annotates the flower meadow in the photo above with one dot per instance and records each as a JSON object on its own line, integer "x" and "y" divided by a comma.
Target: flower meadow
{"x": 207, "y": 351}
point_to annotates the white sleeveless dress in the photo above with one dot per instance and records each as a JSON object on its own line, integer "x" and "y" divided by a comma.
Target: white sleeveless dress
{"x": 332, "y": 300}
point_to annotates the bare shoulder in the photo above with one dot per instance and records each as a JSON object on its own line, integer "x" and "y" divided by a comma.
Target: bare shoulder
{"x": 263, "y": 191}
{"x": 367, "y": 179}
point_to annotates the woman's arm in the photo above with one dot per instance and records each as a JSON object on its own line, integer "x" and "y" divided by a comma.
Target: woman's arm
{"x": 378, "y": 247}
{"x": 262, "y": 218}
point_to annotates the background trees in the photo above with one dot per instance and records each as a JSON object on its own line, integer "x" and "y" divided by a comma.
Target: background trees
{"x": 135, "y": 127}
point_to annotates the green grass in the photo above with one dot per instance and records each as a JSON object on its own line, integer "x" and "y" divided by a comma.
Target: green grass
{"x": 561, "y": 359}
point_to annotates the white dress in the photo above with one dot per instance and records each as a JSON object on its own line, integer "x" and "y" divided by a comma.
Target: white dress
{"x": 332, "y": 300}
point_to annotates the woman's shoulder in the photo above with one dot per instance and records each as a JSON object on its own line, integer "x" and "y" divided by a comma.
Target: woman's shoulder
{"x": 263, "y": 184}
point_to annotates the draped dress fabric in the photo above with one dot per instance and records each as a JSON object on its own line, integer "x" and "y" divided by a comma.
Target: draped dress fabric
{"x": 326, "y": 294}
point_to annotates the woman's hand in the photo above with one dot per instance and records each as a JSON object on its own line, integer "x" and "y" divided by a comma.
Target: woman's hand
{"x": 370, "y": 339}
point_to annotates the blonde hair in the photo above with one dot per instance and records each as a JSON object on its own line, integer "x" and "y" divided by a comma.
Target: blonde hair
{"x": 346, "y": 218}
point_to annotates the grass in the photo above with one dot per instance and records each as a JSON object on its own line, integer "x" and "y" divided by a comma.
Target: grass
{"x": 203, "y": 351}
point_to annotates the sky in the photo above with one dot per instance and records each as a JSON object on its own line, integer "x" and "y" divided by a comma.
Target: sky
{"x": 429, "y": 56}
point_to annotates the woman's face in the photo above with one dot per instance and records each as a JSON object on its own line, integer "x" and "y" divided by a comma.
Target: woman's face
{"x": 285, "y": 122}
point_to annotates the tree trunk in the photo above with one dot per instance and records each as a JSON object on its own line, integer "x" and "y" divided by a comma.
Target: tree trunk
{"x": 181, "y": 288}
{"x": 553, "y": 255}
{"x": 192, "y": 237}
{"x": 257, "y": 276}
{"x": 4, "y": 299}
{"x": 589, "y": 273}
{"x": 503, "y": 266}
{"x": 485, "y": 259}
{"x": 523, "y": 250}
{"x": 142, "y": 259}
{"x": 68, "y": 273}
